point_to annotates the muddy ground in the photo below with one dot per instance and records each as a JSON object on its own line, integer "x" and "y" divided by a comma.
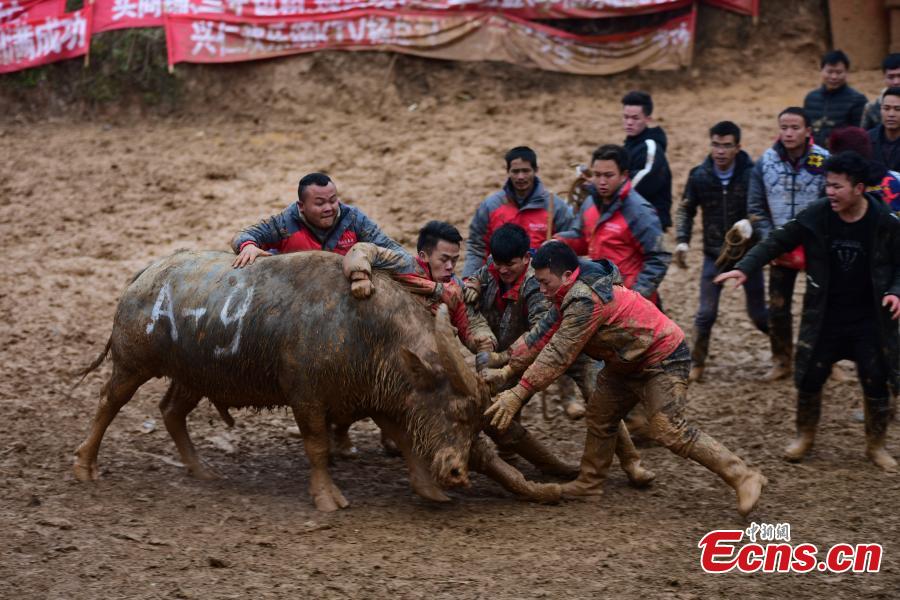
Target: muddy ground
{"x": 84, "y": 203}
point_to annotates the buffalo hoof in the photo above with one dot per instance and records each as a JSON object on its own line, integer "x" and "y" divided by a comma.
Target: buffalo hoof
{"x": 390, "y": 446}
{"x": 329, "y": 499}
{"x": 428, "y": 490}
{"x": 86, "y": 472}
{"x": 203, "y": 473}
{"x": 345, "y": 451}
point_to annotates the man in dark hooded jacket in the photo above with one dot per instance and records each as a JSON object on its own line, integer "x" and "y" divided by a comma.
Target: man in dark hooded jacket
{"x": 852, "y": 247}
{"x": 646, "y": 147}
{"x": 718, "y": 187}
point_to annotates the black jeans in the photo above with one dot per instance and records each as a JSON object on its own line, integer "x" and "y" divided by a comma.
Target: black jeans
{"x": 860, "y": 344}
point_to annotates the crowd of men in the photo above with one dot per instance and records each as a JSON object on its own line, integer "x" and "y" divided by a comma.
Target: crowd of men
{"x": 552, "y": 290}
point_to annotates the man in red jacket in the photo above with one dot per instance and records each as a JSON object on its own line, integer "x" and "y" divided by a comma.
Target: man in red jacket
{"x": 646, "y": 362}
{"x": 317, "y": 221}
{"x": 617, "y": 224}
{"x": 524, "y": 201}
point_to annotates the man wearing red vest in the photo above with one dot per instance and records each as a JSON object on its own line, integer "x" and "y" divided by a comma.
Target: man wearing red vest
{"x": 317, "y": 221}
{"x": 618, "y": 224}
{"x": 646, "y": 362}
{"x": 524, "y": 201}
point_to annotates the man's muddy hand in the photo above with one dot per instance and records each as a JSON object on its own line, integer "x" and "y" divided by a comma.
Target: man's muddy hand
{"x": 361, "y": 285}
{"x": 248, "y": 255}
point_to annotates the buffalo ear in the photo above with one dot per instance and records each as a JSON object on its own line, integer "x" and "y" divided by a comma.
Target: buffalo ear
{"x": 423, "y": 377}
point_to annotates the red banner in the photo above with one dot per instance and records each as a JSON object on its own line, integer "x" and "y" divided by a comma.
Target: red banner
{"x": 30, "y": 10}
{"x": 119, "y": 14}
{"x": 454, "y": 35}
{"x": 25, "y": 44}
{"x": 745, "y": 7}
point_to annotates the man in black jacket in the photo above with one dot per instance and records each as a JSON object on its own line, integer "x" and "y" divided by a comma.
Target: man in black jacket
{"x": 834, "y": 104}
{"x": 719, "y": 188}
{"x": 646, "y": 147}
{"x": 885, "y": 138}
{"x": 852, "y": 246}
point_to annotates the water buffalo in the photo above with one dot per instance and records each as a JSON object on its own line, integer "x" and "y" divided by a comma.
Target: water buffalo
{"x": 286, "y": 332}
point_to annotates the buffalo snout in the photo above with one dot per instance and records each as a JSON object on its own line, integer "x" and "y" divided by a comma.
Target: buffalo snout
{"x": 450, "y": 467}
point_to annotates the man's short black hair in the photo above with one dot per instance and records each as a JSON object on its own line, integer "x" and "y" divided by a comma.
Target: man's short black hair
{"x": 435, "y": 231}
{"x": 833, "y": 57}
{"x": 522, "y": 152}
{"x": 509, "y": 242}
{"x": 723, "y": 128}
{"x": 891, "y": 91}
{"x": 795, "y": 110}
{"x": 637, "y": 98}
{"x": 557, "y": 257}
{"x": 890, "y": 62}
{"x": 612, "y": 152}
{"x": 318, "y": 179}
{"x": 853, "y": 165}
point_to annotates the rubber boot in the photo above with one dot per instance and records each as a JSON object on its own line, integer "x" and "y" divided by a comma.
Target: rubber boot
{"x": 878, "y": 413}
{"x": 699, "y": 354}
{"x": 746, "y": 482}
{"x": 630, "y": 460}
{"x": 809, "y": 408}
{"x": 782, "y": 351}
{"x": 595, "y": 462}
{"x": 531, "y": 449}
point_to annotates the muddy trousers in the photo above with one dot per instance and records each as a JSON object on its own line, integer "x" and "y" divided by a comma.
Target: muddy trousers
{"x": 860, "y": 344}
{"x": 781, "y": 294}
{"x": 662, "y": 391}
{"x": 708, "y": 310}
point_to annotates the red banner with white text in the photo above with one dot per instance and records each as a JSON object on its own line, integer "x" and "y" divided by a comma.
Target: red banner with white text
{"x": 119, "y": 14}
{"x": 30, "y": 10}
{"x": 25, "y": 44}
{"x": 746, "y": 7}
{"x": 460, "y": 35}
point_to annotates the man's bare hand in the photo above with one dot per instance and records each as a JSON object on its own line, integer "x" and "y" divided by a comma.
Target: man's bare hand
{"x": 892, "y": 303}
{"x": 738, "y": 276}
{"x": 248, "y": 255}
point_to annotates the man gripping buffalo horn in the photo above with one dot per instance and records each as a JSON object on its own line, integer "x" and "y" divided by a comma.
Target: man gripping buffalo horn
{"x": 507, "y": 297}
{"x": 646, "y": 361}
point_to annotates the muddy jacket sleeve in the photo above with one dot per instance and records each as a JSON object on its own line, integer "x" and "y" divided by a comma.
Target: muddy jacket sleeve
{"x": 566, "y": 339}
{"x": 757, "y": 205}
{"x": 782, "y": 239}
{"x": 575, "y": 237}
{"x": 687, "y": 210}
{"x": 535, "y": 302}
{"x": 649, "y": 234}
{"x": 267, "y": 234}
{"x": 368, "y": 231}
{"x": 476, "y": 244}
